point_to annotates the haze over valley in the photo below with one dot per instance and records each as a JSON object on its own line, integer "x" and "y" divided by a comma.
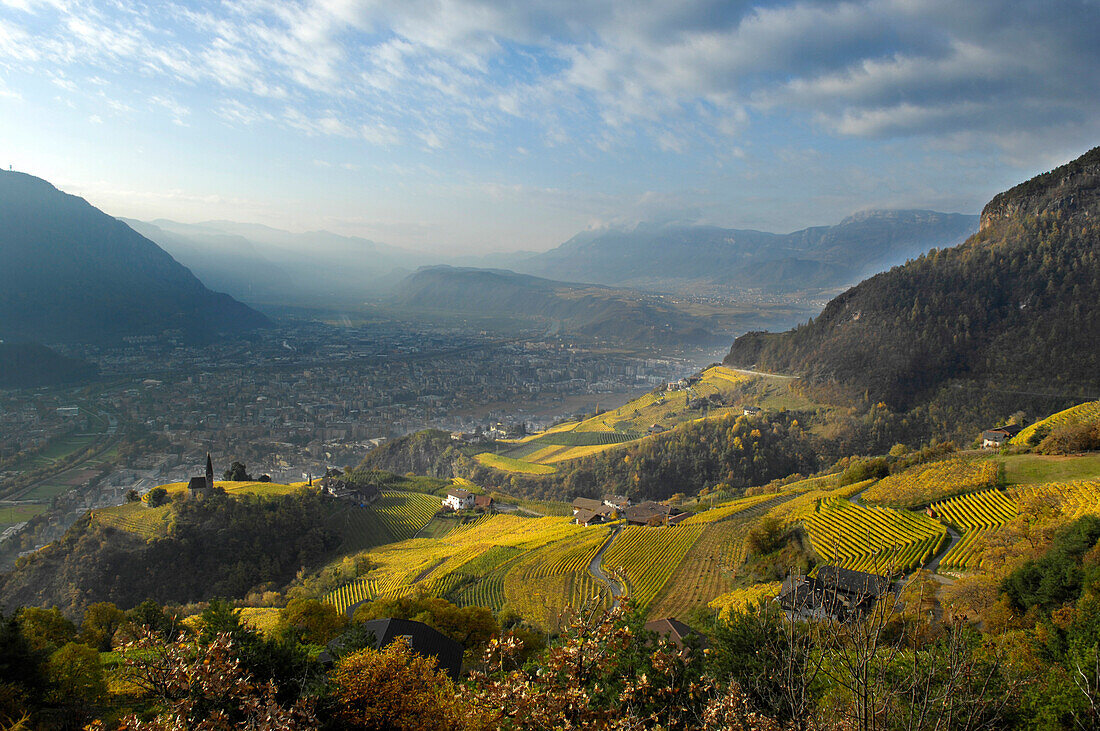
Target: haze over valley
{"x": 482, "y": 366}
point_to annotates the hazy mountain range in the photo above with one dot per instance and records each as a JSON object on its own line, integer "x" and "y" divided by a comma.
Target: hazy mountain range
{"x": 71, "y": 273}
{"x": 263, "y": 265}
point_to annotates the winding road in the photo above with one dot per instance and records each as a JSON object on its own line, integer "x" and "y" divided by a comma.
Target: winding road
{"x": 612, "y": 585}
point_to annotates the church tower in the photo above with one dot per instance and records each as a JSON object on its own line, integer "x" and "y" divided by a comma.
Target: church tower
{"x": 209, "y": 474}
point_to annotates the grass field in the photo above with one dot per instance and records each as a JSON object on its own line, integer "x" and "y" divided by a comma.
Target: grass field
{"x": 12, "y": 514}
{"x": 241, "y": 488}
{"x": 1029, "y": 469}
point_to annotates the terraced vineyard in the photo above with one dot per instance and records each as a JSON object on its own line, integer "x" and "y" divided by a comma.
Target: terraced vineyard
{"x": 647, "y": 557}
{"x": 395, "y": 516}
{"x": 471, "y": 563}
{"x": 986, "y": 509}
{"x": 708, "y": 568}
{"x": 625, "y": 424}
{"x": 546, "y": 583}
{"x": 975, "y": 516}
{"x": 878, "y": 540}
{"x": 739, "y": 600}
{"x": 513, "y": 465}
{"x": 242, "y": 488}
{"x": 1089, "y": 411}
{"x": 927, "y": 483}
{"x": 1078, "y": 498}
{"x": 135, "y": 518}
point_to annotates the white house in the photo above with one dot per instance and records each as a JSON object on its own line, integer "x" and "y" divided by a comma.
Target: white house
{"x": 459, "y": 499}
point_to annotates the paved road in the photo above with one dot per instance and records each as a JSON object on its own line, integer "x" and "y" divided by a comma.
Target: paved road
{"x": 594, "y": 568}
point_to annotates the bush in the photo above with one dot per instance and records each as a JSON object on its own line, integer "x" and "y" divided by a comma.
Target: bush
{"x": 157, "y": 497}
{"x": 1071, "y": 438}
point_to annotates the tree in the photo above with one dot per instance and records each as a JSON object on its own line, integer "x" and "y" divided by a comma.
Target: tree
{"x": 309, "y": 621}
{"x": 77, "y": 682}
{"x": 132, "y": 496}
{"x": 156, "y": 497}
{"x": 205, "y": 688}
{"x": 45, "y": 629}
{"x": 237, "y": 472}
{"x": 101, "y": 621}
{"x": 394, "y": 688}
{"x": 264, "y": 478}
{"x": 470, "y": 626}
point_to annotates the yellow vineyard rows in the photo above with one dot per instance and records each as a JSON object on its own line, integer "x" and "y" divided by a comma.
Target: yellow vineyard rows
{"x": 928, "y": 483}
{"x": 740, "y": 600}
{"x": 646, "y": 557}
{"x": 546, "y": 583}
{"x": 513, "y": 465}
{"x": 805, "y": 505}
{"x": 975, "y": 515}
{"x": 855, "y": 537}
{"x": 134, "y": 518}
{"x": 1077, "y": 499}
{"x": 1085, "y": 412}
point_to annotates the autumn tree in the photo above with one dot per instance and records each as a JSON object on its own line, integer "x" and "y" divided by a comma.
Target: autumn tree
{"x": 394, "y": 688}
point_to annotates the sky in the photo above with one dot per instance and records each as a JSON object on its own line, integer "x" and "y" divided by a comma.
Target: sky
{"x": 469, "y": 126}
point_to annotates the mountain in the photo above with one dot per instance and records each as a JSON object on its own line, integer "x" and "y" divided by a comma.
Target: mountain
{"x": 585, "y": 309}
{"x": 264, "y": 264}
{"x": 29, "y": 365}
{"x": 676, "y": 257}
{"x": 1014, "y": 308}
{"x": 225, "y": 262}
{"x": 71, "y": 273}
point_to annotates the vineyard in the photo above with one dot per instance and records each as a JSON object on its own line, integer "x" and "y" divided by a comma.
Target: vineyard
{"x": 1077, "y": 499}
{"x": 646, "y": 557}
{"x": 484, "y": 563}
{"x": 263, "y": 489}
{"x": 395, "y": 516}
{"x": 805, "y": 504}
{"x": 135, "y": 518}
{"x": 740, "y": 600}
{"x": 976, "y": 516}
{"x": 546, "y": 583}
{"x": 1079, "y": 414}
{"x": 928, "y": 483}
{"x": 878, "y": 540}
{"x": 513, "y": 465}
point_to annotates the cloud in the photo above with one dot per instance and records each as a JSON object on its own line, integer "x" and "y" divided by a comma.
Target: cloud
{"x": 594, "y": 74}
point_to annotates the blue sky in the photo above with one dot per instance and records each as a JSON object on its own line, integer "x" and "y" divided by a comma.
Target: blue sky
{"x": 466, "y": 125}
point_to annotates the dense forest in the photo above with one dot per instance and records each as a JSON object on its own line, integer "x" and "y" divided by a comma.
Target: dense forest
{"x": 219, "y": 546}
{"x": 1012, "y": 309}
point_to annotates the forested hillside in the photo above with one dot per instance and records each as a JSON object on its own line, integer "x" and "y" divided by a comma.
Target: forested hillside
{"x": 1014, "y": 307}
{"x": 735, "y": 452}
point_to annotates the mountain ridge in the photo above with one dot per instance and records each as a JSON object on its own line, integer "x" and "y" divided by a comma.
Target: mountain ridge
{"x": 71, "y": 273}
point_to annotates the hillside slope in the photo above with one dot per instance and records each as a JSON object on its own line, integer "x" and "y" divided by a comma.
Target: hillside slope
{"x": 1015, "y": 307}
{"x": 71, "y": 273}
{"x": 806, "y": 261}
{"x": 583, "y": 309}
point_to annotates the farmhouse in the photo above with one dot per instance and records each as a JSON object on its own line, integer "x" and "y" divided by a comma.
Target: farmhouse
{"x": 200, "y": 487}
{"x": 587, "y": 511}
{"x": 652, "y": 514}
{"x": 483, "y": 503}
{"x": 751, "y": 411}
{"x": 995, "y": 438}
{"x": 588, "y": 518}
{"x": 458, "y": 499}
{"x": 834, "y": 593}
{"x": 656, "y": 429}
{"x": 356, "y": 495}
{"x": 617, "y": 502}
{"x": 674, "y": 631}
